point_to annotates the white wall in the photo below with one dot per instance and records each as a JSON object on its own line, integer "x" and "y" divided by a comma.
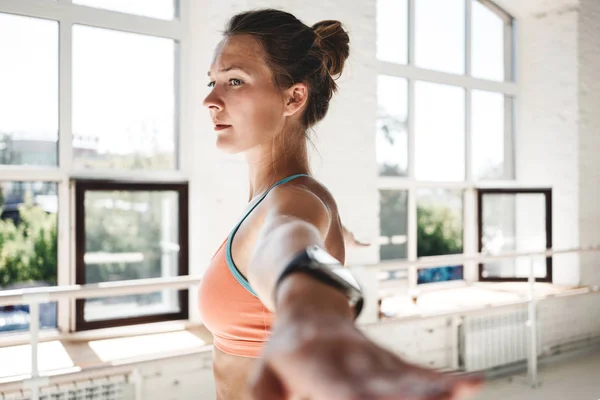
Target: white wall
{"x": 524, "y": 9}
{"x": 558, "y": 140}
{"x": 589, "y": 137}
{"x": 547, "y": 143}
{"x": 179, "y": 378}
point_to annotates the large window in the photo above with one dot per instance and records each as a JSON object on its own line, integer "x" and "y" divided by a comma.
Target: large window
{"x": 89, "y": 139}
{"x": 445, "y": 124}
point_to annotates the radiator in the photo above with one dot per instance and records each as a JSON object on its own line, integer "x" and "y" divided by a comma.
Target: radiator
{"x": 493, "y": 340}
{"x": 113, "y": 388}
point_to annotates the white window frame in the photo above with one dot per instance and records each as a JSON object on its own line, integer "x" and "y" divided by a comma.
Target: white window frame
{"x": 508, "y": 87}
{"x": 67, "y": 14}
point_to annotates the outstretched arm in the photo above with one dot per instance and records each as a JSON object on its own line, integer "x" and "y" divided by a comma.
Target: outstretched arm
{"x": 350, "y": 239}
{"x": 315, "y": 351}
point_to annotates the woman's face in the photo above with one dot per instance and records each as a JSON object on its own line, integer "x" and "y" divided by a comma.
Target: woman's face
{"x": 246, "y": 107}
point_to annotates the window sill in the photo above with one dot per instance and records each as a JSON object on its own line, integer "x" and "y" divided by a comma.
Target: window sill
{"x": 131, "y": 330}
{"x": 68, "y": 353}
{"x": 438, "y": 300}
{"x": 22, "y": 338}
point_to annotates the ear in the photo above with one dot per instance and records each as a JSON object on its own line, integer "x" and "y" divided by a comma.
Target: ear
{"x": 295, "y": 98}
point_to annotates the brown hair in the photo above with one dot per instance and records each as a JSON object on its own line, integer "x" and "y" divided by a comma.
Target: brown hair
{"x": 298, "y": 53}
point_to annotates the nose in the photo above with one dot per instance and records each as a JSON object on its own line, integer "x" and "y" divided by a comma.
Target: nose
{"x": 213, "y": 101}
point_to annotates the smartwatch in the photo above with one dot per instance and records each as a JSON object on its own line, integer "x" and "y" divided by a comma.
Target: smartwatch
{"x": 319, "y": 264}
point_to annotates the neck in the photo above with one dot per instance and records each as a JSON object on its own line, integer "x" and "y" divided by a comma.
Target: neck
{"x": 270, "y": 163}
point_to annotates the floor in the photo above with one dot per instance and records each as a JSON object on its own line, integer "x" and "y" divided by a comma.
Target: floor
{"x": 573, "y": 379}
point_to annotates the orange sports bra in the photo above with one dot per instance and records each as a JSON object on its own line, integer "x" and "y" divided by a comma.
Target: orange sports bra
{"x": 229, "y": 308}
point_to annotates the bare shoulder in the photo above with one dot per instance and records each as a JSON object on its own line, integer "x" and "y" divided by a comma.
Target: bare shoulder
{"x": 304, "y": 194}
{"x": 310, "y": 200}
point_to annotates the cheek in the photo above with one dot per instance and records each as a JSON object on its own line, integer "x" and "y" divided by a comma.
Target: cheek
{"x": 260, "y": 115}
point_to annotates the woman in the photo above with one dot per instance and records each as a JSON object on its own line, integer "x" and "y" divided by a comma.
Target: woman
{"x": 271, "y": 80}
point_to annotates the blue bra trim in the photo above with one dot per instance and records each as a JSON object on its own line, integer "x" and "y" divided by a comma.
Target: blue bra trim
{"x": 230, "y": 264}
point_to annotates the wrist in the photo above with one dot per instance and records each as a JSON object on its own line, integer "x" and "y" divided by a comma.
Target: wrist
{"x": 302, "y": 296}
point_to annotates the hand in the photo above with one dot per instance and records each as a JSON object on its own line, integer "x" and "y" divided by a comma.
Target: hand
{"x": 328, "y": 358}
{"x": 350, "y": 239}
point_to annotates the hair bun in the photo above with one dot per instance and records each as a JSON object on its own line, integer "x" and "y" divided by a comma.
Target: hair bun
{"x": 334, "y": 42}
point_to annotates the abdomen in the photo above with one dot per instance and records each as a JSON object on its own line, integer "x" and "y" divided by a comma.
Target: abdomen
{"x": 231, "y": 374}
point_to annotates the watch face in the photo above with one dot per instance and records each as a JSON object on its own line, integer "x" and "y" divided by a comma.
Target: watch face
{"x": 323, "y": 257}
{"x": 345, "y": 274}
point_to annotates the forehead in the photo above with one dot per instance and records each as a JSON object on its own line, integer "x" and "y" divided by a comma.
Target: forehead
{"x": 239, "y": 50}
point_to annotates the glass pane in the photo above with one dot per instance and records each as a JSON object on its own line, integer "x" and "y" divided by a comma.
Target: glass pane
{"x": 441, "y": 274}
{"x": 163, "y": 9}
{"x": 440, "y": 35}
{"x": 28, "y": 247}
{"x": 392, "y": 31}
{"x": 439, "y": 231}
{"x": 392, "y": 131}
{"x": 393, "y": 224}
{"x": 439, "y": 132}
{"x": 487, "y": 40}
{"x": 28, "y": 91}
{"x": 131, "y": 235}
{"x": 439, "y": 222}
{"x": 491, "y": 142}
{"x": 513, "y": 222}
{"x": 123, "y": 100}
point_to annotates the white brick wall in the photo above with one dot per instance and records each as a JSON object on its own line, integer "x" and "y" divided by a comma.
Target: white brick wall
{"x": 528, "y": 8}
{"x": 589, "y": 137}
{"x": 558, "y": 137}
{"x": 547, "y": 131}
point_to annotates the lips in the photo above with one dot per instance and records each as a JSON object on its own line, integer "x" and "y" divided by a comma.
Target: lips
{"x": 219, "y": 125}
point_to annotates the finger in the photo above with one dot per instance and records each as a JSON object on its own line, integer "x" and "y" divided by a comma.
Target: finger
{"x": 424, "y": 384}
{"x": 461, "y": 386}
{"x": 466, "y": 388}
{"x": 265, "y": 385}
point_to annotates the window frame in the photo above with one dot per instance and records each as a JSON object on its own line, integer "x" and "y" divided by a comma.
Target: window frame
{"x": 83, "y": 186}
{"x": 548, "y": 225}
{"x": 64, "y": 174}
{"x": 509, "y": 88}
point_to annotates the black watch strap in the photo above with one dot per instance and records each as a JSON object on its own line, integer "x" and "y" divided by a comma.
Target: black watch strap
{"x": 304, "y": 263}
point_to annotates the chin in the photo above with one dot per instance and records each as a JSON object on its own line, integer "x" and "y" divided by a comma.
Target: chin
{"x": 226, "y": 145}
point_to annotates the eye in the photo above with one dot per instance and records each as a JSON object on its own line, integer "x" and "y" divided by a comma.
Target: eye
{"x": 235, "y": 82}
